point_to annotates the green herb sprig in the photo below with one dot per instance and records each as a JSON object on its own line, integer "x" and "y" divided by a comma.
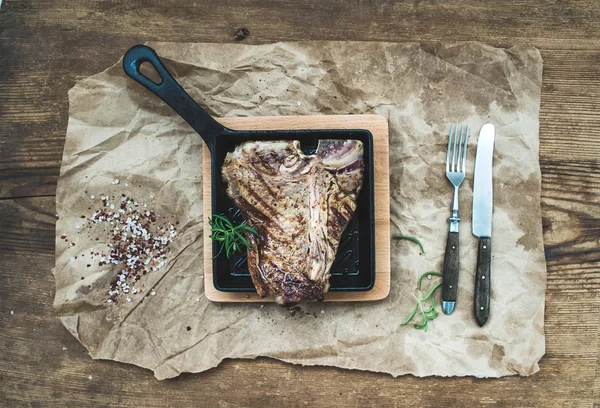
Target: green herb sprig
{"x": 427, "y": 313}
{"x": 230, "y": 236}
{"x": 413, "y": 239}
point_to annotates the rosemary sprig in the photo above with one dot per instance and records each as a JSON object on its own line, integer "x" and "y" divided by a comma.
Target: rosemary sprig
{"x": 427, "y": 313}
{"x": 413, "y": 239}
{"x": 230, "y": 236}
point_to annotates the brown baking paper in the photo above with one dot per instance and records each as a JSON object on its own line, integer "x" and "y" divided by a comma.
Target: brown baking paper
{"x": 119, "y": 130}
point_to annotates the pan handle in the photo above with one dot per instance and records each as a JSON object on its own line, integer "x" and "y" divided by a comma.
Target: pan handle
{"x": 172, "y": 93}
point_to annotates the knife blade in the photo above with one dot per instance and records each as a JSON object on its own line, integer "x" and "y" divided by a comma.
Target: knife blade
{"x": 482, "y": 220}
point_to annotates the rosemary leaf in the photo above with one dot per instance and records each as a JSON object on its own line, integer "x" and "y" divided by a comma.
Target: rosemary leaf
{"x": 431, "y": 291}
{"x": 424, "y": 322}
{"x": 413, "y": 239}
{"x": 427, "y": 274}
{"x": 410, "y": 316}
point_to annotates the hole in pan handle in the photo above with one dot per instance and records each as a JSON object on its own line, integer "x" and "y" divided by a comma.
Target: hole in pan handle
{"x": 172, "y": 93}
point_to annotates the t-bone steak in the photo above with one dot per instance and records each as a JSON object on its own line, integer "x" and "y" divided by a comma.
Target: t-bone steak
{"x": 299, "y": 205}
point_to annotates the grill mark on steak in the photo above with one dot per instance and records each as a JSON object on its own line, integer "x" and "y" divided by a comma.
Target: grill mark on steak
{"x": 300, "y": 205}
{"x": 257, "y": 174}
{"x": 262, "y": 221}
{"x": 253, "y": 264}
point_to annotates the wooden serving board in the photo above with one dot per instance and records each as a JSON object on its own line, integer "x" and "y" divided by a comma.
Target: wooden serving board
{"x": 379, "y": 128}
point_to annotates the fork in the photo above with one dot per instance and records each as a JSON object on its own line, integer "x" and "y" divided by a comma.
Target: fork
{"x": 456, "y": 162}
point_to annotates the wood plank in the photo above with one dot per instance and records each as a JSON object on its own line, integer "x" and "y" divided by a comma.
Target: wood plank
{"x": 379, "y": 128}
{"x": 46, "y": 46}
{"x": 521, "y": 21}
{"x": 571, "y": 219}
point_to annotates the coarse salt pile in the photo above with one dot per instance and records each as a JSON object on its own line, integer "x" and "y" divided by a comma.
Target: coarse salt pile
{"x": 138, "y": 245}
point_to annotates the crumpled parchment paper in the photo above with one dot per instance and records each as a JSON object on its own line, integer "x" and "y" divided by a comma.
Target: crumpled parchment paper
{"x": 119, "y": 130}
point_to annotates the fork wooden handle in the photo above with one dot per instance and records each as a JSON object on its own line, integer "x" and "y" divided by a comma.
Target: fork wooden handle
{"x": 450, "y": 269}
{"x": 482, "y": 281}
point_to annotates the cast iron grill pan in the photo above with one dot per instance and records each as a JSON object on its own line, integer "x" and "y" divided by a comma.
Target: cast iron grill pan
{"x": 354, "y": 266}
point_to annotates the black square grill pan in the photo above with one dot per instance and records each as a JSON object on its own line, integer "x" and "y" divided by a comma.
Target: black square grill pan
{"x": 354, "y": 266}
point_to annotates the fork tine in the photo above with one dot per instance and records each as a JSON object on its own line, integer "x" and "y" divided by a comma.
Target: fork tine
{"x": 448, "y": 150}
{"x": 454, "y": 161}
{"x": 460, "y": 144}
{"x": 464, "y": 159}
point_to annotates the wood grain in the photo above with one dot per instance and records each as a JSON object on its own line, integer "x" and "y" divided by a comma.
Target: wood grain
{"x": 451, "y": 268}
{"x": 379, "y": 128}
{"x": 483, "y": 281}
{"x": 46, "y": 46}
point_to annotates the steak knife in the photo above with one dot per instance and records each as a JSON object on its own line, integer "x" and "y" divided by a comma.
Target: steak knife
{"x": 482, "y": 221}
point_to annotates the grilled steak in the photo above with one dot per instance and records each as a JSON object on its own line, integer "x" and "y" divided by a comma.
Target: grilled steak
{"x": 300, "y": 205}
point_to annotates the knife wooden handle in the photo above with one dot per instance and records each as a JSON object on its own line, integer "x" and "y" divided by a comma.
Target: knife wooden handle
{"x": 482, "y": 281}
{"x": 450, "y": 269}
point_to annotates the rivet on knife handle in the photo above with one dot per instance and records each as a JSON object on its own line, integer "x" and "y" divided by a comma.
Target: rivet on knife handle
{"x": 482, "y": 281}
{"x": 456, "y": 165}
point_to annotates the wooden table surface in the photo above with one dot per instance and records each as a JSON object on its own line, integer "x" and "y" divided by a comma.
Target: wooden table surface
{"x": 46, "y": 46}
